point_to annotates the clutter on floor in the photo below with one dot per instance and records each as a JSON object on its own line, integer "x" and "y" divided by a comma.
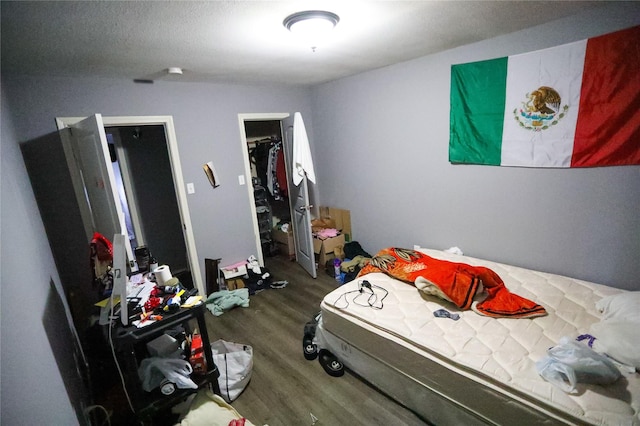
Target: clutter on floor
{"x": 282, "y": 235}
{"x": 208, "y": 409}
{"x": 247, "y": 274}
{"x": 330, "y": 233}
{"x": 347, "y": 263}
{"x": 334, "y": 247}
{"x": 221, "y": 301}
{"x": 235, "y": 363}
{"x": 239, "y": 281}
{"x": 279, "y": 284}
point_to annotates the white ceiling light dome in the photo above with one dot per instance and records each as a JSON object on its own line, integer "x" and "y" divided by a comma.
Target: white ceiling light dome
{"x": 174, "y": 70}
{"x": 312, "y": 26}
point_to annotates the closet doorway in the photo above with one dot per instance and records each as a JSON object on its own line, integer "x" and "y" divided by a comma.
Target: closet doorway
{"x": 262, "y": 138}
{"x": 265, "y": 148}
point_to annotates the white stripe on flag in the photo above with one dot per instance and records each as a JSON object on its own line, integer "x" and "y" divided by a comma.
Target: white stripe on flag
{"x": 561, "y": 69}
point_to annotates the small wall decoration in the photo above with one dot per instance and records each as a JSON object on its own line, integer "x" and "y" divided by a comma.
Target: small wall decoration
{"x": 210, "y": 171}
{"x": 574, "y": 105}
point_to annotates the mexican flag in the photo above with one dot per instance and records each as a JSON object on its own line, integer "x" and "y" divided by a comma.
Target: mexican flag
{"x": 575, "y": 105}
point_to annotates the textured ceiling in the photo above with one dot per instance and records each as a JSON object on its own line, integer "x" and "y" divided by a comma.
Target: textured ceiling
{"x": 245, "y": 41}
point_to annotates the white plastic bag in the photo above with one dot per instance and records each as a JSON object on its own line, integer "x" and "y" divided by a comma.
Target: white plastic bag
{"x": 154, "y": 370}
{"x": 571, "y": 362}
{"x": 235, "y": 364}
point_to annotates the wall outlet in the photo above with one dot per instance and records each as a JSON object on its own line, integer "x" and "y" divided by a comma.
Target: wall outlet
{"x": 190, "y": 188}
{"x": 241, "y": 179}
{"x": 416, "y": 247}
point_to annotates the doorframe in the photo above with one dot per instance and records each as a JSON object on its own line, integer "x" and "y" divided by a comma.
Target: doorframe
{"x": 176, "y": 170}
{"x": 247, "y": 167}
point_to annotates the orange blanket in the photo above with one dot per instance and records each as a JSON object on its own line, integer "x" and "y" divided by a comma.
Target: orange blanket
{"x": 456, "y": 282}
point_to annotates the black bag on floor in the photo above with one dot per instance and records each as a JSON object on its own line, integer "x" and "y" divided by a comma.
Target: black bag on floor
{"x": 353, "y": 249}
{"x": 256, "y": 282}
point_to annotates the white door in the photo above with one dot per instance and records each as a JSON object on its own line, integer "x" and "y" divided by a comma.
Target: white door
{"x": 95, "y": 181}
{"x": 67, "y": 125}
{"x": 300, "y": 209}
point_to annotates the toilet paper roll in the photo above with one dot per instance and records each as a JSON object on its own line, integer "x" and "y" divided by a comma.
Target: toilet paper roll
{"x": 163, "y": 274}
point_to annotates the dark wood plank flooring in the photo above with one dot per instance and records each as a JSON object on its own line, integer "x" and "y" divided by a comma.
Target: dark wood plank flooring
{"x": 285, "y": 388}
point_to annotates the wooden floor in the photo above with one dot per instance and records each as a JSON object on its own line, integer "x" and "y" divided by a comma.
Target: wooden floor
{"x": 285, "y": 388}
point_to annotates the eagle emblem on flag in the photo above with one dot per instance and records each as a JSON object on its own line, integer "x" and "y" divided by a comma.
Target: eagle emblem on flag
{"x": 541, "y": 109}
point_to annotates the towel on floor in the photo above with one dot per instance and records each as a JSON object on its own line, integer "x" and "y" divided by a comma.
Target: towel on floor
{"x": 221, "y": 301}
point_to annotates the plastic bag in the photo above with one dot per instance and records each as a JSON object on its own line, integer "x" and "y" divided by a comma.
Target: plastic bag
{"x": 235, "y": 363}
{"x": 154, "y": 370}
{"x": 571, "y": 362}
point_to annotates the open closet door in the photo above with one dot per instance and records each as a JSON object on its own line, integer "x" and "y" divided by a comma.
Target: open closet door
{"x": 300, "y": 209}
{"x": 88, "y": 155}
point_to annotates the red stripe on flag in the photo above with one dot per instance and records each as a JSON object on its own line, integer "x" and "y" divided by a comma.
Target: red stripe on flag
{"x": 608, "y": 127}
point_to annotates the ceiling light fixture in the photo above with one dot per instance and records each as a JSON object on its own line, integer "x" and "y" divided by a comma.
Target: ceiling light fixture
{"x": 311, "y": 25}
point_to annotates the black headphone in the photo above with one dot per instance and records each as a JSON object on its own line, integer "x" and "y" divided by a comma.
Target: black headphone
{"x": 364, "y": 288}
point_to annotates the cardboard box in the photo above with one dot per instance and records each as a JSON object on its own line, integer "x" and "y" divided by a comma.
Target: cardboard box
{"x": 284, "y": 241}
{"x": 325, "y": 248}
{"x": 235, "y": 270}
{"x": 341, "y": 218}
{"x": 234, "y": 283}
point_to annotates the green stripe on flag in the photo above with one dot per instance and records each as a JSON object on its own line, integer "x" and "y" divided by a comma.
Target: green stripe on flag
{"x": 477, "y": 111}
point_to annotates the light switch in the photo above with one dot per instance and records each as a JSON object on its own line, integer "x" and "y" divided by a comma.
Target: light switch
{"x": 190, "y": 188}
{"x": 241, "y": 179}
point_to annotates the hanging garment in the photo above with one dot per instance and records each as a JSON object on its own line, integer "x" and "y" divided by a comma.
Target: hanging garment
{"x": 101, "y": 259}
{"x": 259, "y": 156}
{"x": 273, "y": 185}
{"x": 270, "y": 170}
{"x": 281, "y": 173}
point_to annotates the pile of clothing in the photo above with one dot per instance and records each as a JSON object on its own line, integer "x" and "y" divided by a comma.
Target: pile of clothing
{"x": 352, "y": 259}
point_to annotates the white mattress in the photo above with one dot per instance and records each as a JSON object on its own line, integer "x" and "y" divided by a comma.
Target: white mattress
{"x": 488, "y": 361}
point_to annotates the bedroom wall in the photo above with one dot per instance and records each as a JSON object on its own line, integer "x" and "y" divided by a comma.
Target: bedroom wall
{"x": 381, "y": 139}
{"x": 32, "y": 388}
{"x": 206, "y": 123}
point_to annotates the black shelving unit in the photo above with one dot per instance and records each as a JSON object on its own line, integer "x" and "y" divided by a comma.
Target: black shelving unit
{"x": 130, "y": 341}
{"x": 265, "y": 217}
